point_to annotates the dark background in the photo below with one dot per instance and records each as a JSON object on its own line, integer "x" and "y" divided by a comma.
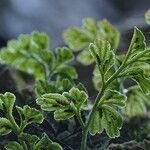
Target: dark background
{"x": 53, "y": 16}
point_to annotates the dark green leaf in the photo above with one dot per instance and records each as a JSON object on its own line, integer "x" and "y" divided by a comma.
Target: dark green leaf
{"x": 5, "y": 126}
{"x": 30, "y": 115}
{"x": 13, "y": 146}
{"x": 47, "y": 144}
{"x": 7, "y": 101}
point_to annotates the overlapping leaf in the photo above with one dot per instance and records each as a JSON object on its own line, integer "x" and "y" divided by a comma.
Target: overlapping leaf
{"x": 97, "y": 80}
{"x": 136, "y": 104}
{"x": 46, "y": 143}
{"x": 5, "y": 126}
{"x": 64, "y": 105}
{"x": 13, "y": 146}
{"x": 31, "y": 54}
{"x": 30, "y": 115}
{"x": 59, "y": 86}
{"x": 104, "y": 56}
{"x": 106, "y": 117}
{"x": 80, "y": 38}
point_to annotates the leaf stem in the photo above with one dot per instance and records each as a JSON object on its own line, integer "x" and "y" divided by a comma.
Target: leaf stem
{"x": 99, "y": 101}
{"x": 16, "y": 129}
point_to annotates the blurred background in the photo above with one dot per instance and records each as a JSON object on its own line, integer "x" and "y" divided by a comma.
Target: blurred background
{"x": 53, "y": 16}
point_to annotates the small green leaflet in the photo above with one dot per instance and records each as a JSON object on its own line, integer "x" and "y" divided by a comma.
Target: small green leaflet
{"x": 36, "y": 143}
{"x": 104, "y": 56}
{"x": 59, "y": 86}
{"x": 137, "y": 47}
{"x": 46, "y": 143}
{"x": 64, "y": 105}
{"x": 7, "y": 101}
{"x": 79, "y": 38}
{"x": 106, "y": 117}
{"x": 147, "y": 16}
{"x": 136, "y": 102}
{"x": 5, "y": 126}
{"x": 13, "y": 146}
{"x": 30, "y": 115}
{"x": 27, "y": 114}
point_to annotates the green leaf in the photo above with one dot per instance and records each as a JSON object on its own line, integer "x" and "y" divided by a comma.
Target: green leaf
{"x": 89, "y": 25}
{"x": 27, "y": 53}
{"x": 96, "y": 123}
{"x": 147, "y": 16}
{"x": 136, "y": 102}
{"x": 106, "y": 117}
{"x": 63, "y": 55}
{"x": 7, "y": 101}
{"x": 144, "y": 83}
{"x": 46, "y": 143}
{"x": 64, "y": 105}
{"x": 76, "y": 38}
{"x": 85, "y": 57}
{"x": 43, "y": 87}
{"x": 80, "y": 38}
{"x": 137, "y": 45}
{"x": 101, "y": 51}
{"x": 13, "y": 146}
{"x": 97, "y": 79}
{"x": 112, "y": 97}
{"x": 63, "y": 114}
{"x": 30, "y": 115}
{"x": 109, "y": 33}
{"x": 5, "y": 126}
{"x": 30, "y": 140}
{"x": 63, "y": 85}
{"x": 111, "y": 121}
{"x": 76, "y": 96}
{"x": 67, "y": 72}
{"x": 40, "y": 40}
{"x": 138, "y": 75}
{"x": 30, "y": 54}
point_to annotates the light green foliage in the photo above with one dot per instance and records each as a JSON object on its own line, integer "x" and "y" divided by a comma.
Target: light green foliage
{"x": 97, "y": 79}
{"x": 36, "y": 143}
{"x": 147, "y": 16}
{"x": 57, "y": 92}
{"x": 28, "y": 115}
{"x": 104, "y": 56}
{"x": 136, "y": 104}
{"x": 31, "y": 54}
{"x": 64, "y": 105}
{"x": 79, "y": 38}
{"x": 106, "y": 117}
{"x": 137, "y": 52}
{"x": 59, "y": 86}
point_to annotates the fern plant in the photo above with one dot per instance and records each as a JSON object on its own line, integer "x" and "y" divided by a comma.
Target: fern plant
{"x": 58, "y": 93}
